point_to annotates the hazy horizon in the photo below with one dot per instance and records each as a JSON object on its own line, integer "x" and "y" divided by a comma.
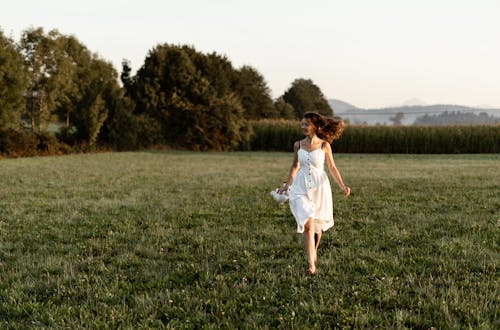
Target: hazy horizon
{"x": 370, "y": 54}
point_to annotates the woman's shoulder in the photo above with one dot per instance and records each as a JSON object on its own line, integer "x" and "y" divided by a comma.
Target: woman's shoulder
{"x": 325, "y": 145}
{"x": 296, "y": 145}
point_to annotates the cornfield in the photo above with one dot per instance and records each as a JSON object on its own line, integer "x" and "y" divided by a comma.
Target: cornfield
{"x": 279, "y": 135}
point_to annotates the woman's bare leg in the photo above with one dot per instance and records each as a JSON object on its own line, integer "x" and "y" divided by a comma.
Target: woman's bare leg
{"x": 309, "y": 244}
{"x": 317, "y": 238}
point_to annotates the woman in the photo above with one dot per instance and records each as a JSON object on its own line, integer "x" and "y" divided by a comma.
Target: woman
{"x": 310, "y": 194}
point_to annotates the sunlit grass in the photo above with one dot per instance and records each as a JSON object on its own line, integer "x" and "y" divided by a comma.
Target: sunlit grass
{"x": 180, "y": 239}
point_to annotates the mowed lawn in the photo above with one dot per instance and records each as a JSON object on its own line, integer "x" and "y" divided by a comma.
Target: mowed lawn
{"x": 193, "y": 240}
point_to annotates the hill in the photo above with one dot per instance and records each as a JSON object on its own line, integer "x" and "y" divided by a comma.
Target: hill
{"x": 410, "y": 113}
{"x": 340, "y": 106}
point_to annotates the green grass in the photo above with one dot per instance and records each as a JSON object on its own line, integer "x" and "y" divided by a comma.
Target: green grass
{"x": 188, "y": 240}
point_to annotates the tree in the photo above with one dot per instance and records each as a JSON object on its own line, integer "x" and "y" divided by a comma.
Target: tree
{"x": 305, "y": 96}
{"x": 100, "y": 95}
{"x": 190, "y": 95}
{"x": 397, "y": 120}
{"x": 284, "y": 109}
{"x": 69, "y": 84}
{"x": 161, "y": 85}
{"x": 457, "y": 118}
{"x": 216, "y": 69}
{"x": 121, "y": 127}
{"x": 125, "y": 76}
{"x": 49, "y": 72}
{"x": 254, "y": 94}
{"x": 79, "y": 59}
{"x": 13, "y": 83}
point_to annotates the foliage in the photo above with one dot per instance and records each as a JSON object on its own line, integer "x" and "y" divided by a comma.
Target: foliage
{"x": 170, "y": 240}
{"x": 284, "y": 109}
{"x": 182, "y": 98}
{"x": 80, "y": 59}
{"x": 100, "y": 93}
{"x": 17, "y": 143}
{"x": 305, "y": 96}
{"x": 50, "y": 74}
{"x": 126, "y": 77}
{"x": 254, "y": 94}
{"x": 69, "y": 82}
{"x": 121, "y": 128}
{"x": 23, "y": 143}
{"x": 397, "y": 120}
{"x": 13, "y": 81}
{"x": 457, "y": 118}
{"x": 280, "y": 135}
{"x": 190, "y": 95}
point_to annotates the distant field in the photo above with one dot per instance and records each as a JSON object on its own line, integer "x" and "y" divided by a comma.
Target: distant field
{"x": 188, "y": 240}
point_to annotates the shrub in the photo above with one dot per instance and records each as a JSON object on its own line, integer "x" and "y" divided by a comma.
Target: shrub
{"x": 23, "y": 143}
{"x": 15, "y": 143}
{"x": 48, "y": 144}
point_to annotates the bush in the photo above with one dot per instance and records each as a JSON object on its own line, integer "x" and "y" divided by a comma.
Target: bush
{"x": 14, "y": 143}
{"x": 23, "y": 143}
{"x": 48, "y": 144}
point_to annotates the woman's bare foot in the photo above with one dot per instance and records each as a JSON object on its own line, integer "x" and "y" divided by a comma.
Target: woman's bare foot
{"x": 311, "y": 271}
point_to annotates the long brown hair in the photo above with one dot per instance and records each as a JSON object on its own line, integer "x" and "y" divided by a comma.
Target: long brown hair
{"x": 327, "y": 129}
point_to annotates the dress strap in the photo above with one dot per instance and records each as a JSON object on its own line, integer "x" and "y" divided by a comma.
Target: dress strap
{"x": 300, "y": 143}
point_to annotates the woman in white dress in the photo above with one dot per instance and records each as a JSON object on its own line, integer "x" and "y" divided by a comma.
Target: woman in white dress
{"x": 310, "y": 194}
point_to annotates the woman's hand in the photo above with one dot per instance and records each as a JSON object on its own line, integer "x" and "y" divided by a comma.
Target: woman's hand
{"x": 283, "y": 188}
{"x": 347, "y": 191}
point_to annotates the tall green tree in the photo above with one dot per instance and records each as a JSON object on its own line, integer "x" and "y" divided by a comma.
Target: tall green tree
{"x": 100, "y": 96}
{"x": 305, "y": 96}
{"x": 49, "y": 73}
{"x": 284, "y": 109}
{"x": 77, "y": 59}
{"x": 121, "y": 127}
{"x": 13, "y": 84}
{"x": 215, "y": 68}
{"x": 190, "y": 95}
{"x": 251, "y": 87}
{"x": 70, "y": 85}
{"x": 126, "y": 75}
{"x": 163, "y": 82}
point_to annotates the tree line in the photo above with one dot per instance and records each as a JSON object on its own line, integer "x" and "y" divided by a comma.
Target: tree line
{"x": 457, "y": 118}
{"x": 55, "y": 93}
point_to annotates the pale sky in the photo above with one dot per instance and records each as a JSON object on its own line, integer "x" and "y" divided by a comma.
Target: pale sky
{"x": 370, "y": 53}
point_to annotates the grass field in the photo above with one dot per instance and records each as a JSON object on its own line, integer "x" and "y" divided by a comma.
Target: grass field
{"x": 189, "y": 240}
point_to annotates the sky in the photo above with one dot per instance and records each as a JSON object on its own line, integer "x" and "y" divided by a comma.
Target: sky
{"x": 370, "y": 53}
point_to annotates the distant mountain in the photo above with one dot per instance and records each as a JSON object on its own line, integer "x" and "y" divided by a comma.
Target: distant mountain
{"x": 485, "y": 106}
{"x": 410, "y": 112}
{"x": 340, "y": 106}
{"x": 410, "y": 102}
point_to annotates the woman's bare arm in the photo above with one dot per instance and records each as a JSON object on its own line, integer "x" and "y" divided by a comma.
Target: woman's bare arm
{"x": 332, "y": 168}
{"x": 293, "y": 169}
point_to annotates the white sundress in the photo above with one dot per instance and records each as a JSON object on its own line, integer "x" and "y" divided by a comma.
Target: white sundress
{"x": 310, "y": 195}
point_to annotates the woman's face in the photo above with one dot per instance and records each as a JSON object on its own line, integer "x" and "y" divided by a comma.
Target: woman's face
{"x": 307, "y": 127}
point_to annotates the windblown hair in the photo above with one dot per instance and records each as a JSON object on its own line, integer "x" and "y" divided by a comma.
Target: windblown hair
{"x": 327, "y": 129}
